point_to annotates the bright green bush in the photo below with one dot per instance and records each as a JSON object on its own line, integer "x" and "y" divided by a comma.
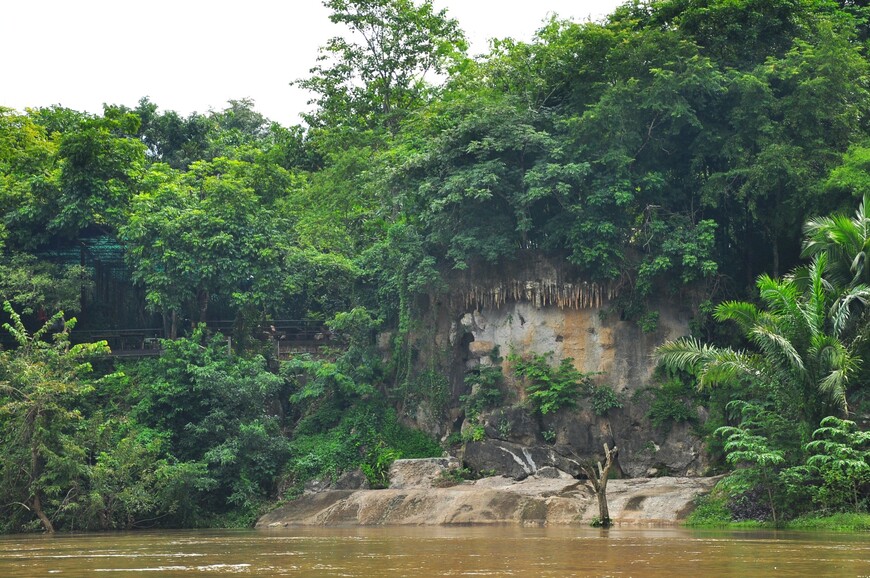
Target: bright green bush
{"x": 368, "y": 436}
{"x": 711, "y": 510}
{"x": 486, "y": 392}
{"x": 841, "y": 454}
{"x": 551, "y": 389}
{"x": 604, "y": 399}
{"x": 671, "y": 403}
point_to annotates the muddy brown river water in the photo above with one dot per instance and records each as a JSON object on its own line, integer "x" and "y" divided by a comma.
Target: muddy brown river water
{"x": 438, "y": 551}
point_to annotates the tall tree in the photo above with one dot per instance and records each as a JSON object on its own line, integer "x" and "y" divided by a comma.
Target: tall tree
{"x": 29, "y": 175}
{"x": 202, "y": 235}
{"x": 40, "y": 385}
{"x": 101, "y": 162}
{"x": 372, "y": 77}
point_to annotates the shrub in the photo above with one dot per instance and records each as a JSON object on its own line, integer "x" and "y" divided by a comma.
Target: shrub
{"x": 604, "y": 399}
{"x": 486, "y": 392}
{"x": 842, "y": 458}
{"x": 452, "y": 477}
{"x": 368, "y": 436}
{"x": 711, "y": 510}
{"x": 671, "y": 403}
{"x": 550, "y": 389}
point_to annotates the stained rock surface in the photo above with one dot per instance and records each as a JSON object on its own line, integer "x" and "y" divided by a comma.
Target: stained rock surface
{"x": 549, "y": 497}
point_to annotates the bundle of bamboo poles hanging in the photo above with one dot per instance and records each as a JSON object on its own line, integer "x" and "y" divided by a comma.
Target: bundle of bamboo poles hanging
{"x": 540, "y": 293}
{"x": 529, "y": 277}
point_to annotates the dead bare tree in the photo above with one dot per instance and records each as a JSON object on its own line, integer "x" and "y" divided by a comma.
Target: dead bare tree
{"x": 597, "y": 475}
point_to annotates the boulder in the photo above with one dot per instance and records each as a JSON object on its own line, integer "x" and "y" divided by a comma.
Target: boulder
{"x": 317, "y": 486}
{"x": 514, "y": 460}
{"x": 496, "y": 456}
{"x": 549, "y": 472}
{"x": 419, "y": 473}
{"x": 513, "y": 424}
{"x": 352, "y": 480}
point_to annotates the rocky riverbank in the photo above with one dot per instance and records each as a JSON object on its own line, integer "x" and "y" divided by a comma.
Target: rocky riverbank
{"x": 550, "y": 497}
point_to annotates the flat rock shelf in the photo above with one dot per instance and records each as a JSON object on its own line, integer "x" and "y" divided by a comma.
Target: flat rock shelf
{"x": 547, "y": 498}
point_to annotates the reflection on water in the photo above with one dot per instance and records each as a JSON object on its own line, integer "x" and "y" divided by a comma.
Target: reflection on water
{"x": 464, "y": 551}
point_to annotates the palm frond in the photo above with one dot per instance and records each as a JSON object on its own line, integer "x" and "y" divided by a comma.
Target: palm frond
{"x": 841, "y": 310}
{"x": 836, "y": 366}
{"x": 858, "y": 267}
{"x": 743, "y": 313}
{"x": 845, "y": 233}
{"x": 846, "y": 242}
{"x": 711, "y": 365}
{"x": 862, "y": 213}
{"x": 834, "y": 386}
{"x": 684, "y": 354}
{"x": 726, "y": 366}
{"x": 777, "y": 345}
{"x": 813, "y": 306}
{"x": 815, "y": 238}
{"x": 780, "y": 296}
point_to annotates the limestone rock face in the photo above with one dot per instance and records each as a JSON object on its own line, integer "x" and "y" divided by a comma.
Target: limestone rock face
{"x": 420, "y": 473}
{"x": 515, "y": 444}
{"x": 352, "y": 480}
{"x": 349, "y": 480}
{"x": 598, "y": 343}
{"x": 481, "y": 348}
{"x": 616, "y": 352}
{"x": 644, "y": 451}
{"x": 507, "y": 459}
{"x": 515, "y": 424}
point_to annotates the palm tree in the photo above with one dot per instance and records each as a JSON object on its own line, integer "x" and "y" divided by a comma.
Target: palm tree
{"x": 798, "y": 352}
{"x": 846, "y": 241}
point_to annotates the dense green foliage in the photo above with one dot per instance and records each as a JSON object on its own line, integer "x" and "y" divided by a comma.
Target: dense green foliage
{"x": 788, "y": 442}
{"x": 197, "y": 436}
{"x": 673, "y": 150}
{"x": 550, "y": 389}
{"x": 671, "y": 402}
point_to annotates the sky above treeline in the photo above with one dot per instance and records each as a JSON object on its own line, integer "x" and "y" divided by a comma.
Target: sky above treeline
{"x": 195, "y": 55}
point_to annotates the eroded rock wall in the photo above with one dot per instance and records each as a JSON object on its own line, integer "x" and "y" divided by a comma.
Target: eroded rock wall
{"x": 617, "y": 351}
{"x": 597, "y": 340}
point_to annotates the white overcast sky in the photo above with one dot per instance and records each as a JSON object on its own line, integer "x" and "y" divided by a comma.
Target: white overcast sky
{"x": 193, "y": 55}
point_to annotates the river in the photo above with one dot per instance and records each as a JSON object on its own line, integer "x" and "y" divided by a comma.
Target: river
{"x": 438, "y": 551}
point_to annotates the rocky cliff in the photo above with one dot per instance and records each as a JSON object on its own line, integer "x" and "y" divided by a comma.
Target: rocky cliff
{"x": 546, "y": 318}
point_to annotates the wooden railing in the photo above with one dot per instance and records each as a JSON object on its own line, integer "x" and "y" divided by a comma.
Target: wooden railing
{"x": 124, "y": 342}
{"x": 288, "y": 335}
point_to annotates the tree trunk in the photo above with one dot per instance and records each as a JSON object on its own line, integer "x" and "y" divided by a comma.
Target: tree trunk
{"x": 203, "y": 304}
{"x": 772, "y": 507}
{"x": 603, "y": 511}
{"x": 173, "y": 325}
{"x": 37, "y": 509}
{"x": 35, "y": 471}
{"x": 597, "y": 475}
{"x": 775, "y": 246}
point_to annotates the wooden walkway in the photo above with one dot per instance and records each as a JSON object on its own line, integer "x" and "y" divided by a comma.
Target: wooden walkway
{"x": 290, "y": 336}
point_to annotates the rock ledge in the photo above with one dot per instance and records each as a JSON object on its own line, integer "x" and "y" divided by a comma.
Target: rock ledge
{"x": 550, "y": 497}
